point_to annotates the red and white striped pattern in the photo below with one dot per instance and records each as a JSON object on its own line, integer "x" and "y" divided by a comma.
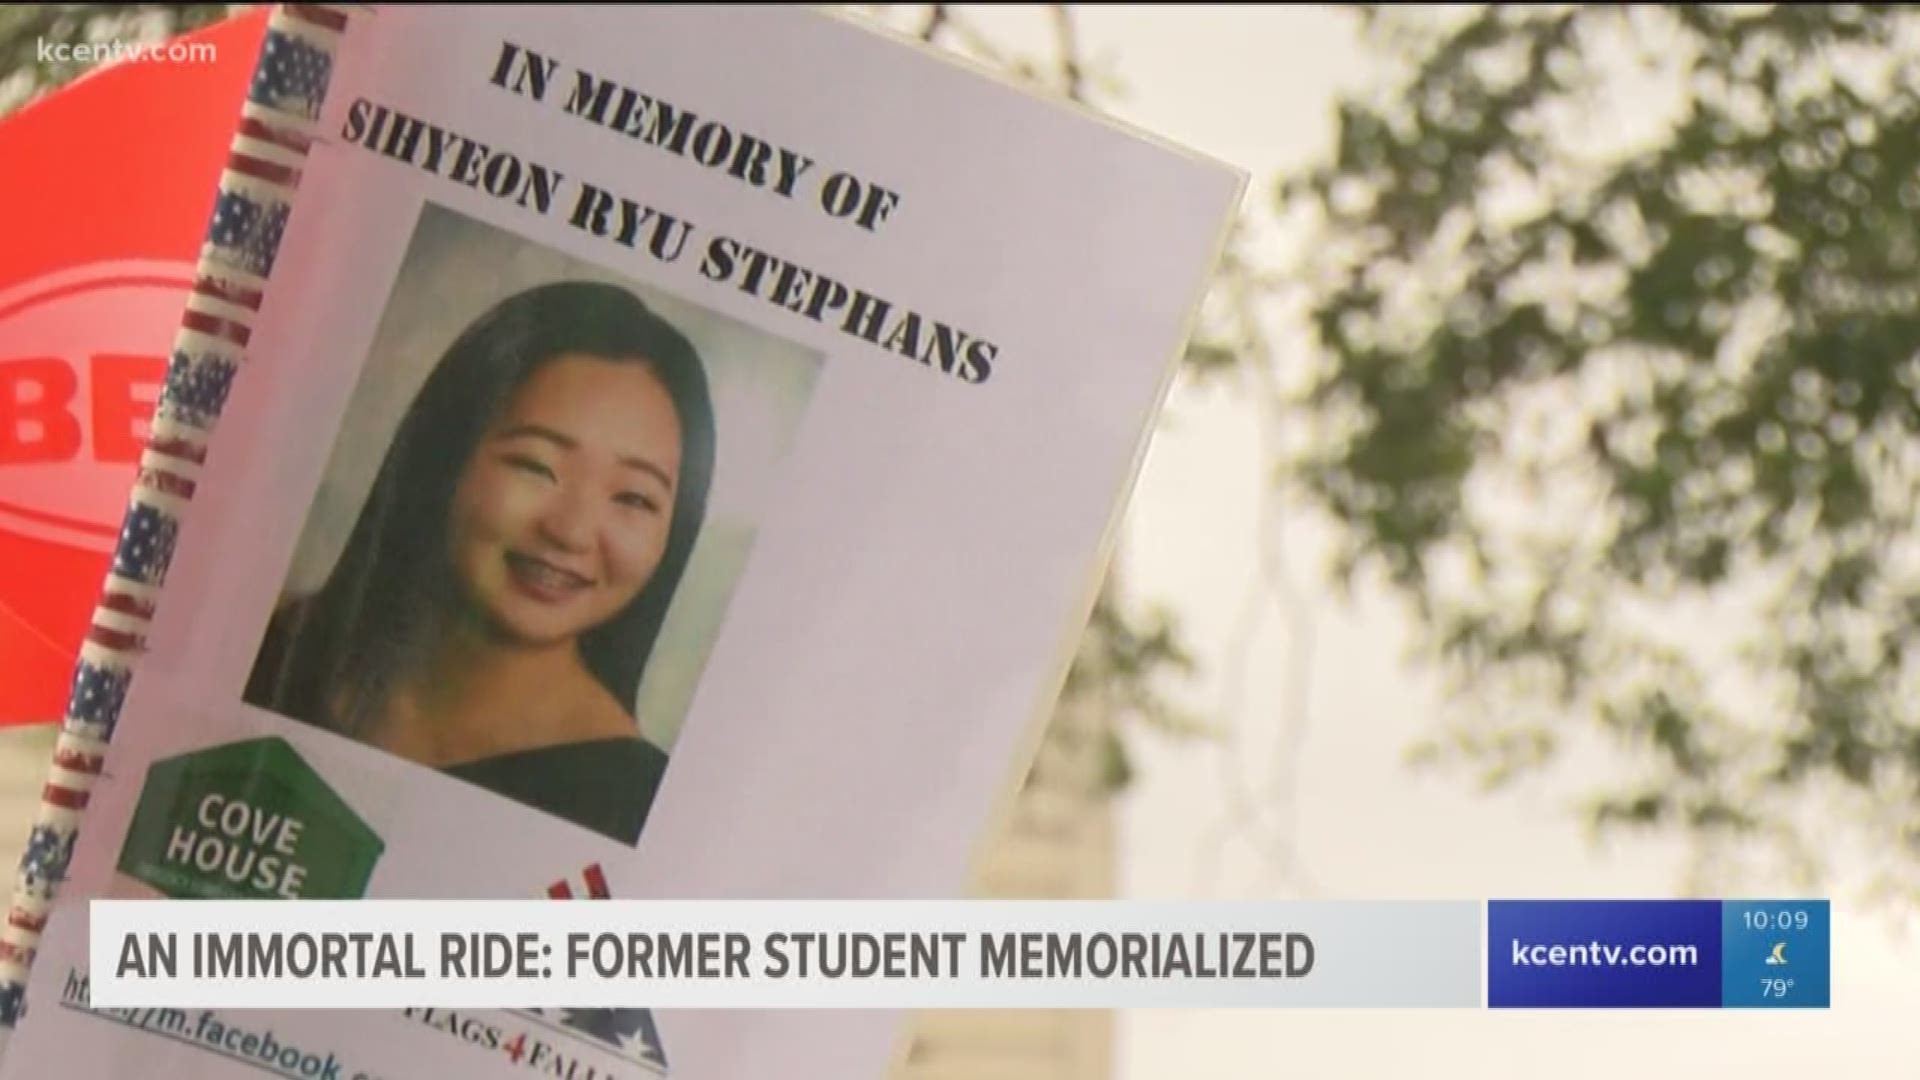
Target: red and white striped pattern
{"x": 267, "y": 151}
{"x": 592, "y": 878}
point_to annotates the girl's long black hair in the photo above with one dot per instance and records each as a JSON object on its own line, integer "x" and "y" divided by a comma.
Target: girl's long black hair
{"x": 330, "y": 658}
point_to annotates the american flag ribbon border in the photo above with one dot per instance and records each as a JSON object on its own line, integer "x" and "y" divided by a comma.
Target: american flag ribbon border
{"x": 594, "y": 879}
{"x": 269, "y": 147}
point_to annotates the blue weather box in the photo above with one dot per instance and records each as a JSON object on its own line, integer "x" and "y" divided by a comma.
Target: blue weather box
{"x": 1660, "y": 954}
{"x": 1776, "y": 954}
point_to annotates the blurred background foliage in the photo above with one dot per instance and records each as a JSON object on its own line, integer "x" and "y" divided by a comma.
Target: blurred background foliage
{"x": 1609, "y": 375}
{"x": 1616, "y": 313}
{"x": 26, "y": 28}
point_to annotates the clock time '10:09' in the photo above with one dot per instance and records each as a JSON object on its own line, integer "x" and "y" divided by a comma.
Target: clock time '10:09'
{"x": 1783, "y": 919}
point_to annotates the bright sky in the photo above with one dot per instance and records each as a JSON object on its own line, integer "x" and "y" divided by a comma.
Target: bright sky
{"x": 1253, "y": 85}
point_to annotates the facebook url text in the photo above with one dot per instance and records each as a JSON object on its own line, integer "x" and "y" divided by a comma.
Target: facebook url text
{"x": 208, "y": 1032}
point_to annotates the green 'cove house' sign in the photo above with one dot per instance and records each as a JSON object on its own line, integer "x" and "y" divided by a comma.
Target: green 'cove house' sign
{"x": 247, "y": 821}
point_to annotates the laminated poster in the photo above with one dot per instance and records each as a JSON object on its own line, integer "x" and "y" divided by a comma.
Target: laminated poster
{"x": 648, "y": 452}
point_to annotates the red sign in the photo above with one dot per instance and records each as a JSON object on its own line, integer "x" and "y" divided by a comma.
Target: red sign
{"x": 103, "y": 228}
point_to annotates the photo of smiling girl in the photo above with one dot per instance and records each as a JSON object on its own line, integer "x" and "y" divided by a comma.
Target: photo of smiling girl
{"x": 504, "y": 586}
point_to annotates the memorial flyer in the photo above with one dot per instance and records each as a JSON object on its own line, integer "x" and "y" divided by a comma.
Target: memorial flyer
{"x": 652, "y": 452}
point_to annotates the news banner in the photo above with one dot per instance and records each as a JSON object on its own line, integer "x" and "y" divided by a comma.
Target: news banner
{"x": 1700, "y": 954}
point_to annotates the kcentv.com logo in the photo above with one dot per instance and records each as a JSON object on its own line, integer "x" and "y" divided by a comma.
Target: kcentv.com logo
{"x": 48, "y": 51}
{"x": 83, "y": 357}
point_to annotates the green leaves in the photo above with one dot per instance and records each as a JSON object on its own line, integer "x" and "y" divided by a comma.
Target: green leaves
{"x": 1631, "y": 312}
